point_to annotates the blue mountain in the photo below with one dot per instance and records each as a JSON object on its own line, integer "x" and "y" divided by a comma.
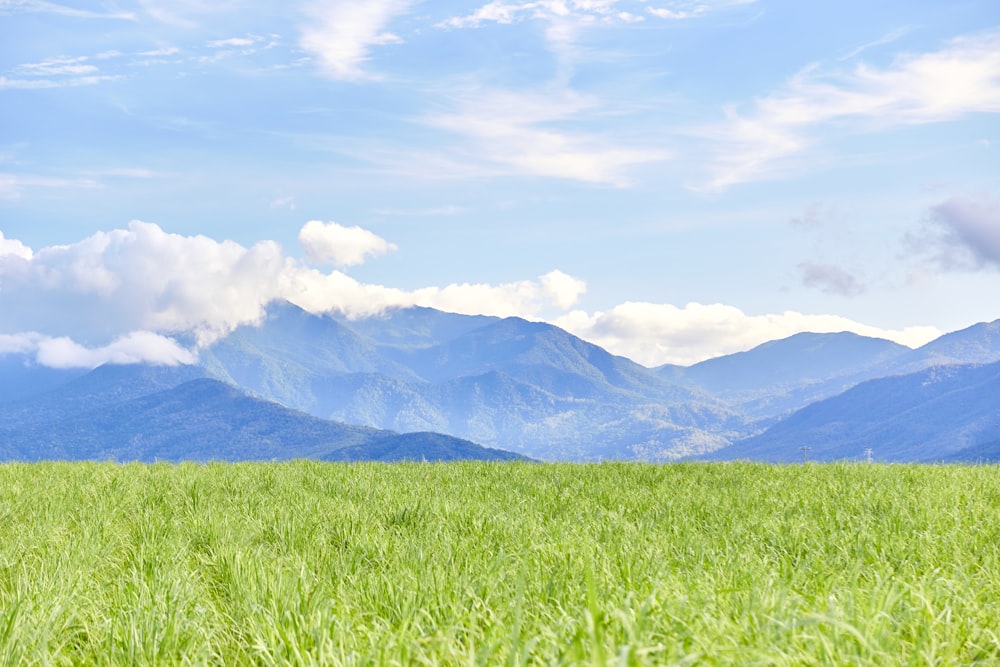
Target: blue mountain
{"x": 196, "y": 420}
{"x": 780, "y": 376}
{"x": 940, "y": 413}
{"x": 525, "y": 386}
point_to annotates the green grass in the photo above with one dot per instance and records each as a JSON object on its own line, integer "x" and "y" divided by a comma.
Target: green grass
{"x": 499, "y": 564}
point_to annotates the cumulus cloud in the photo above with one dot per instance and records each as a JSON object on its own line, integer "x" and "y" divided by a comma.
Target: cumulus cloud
{"x": 330, "y": 243}
{"x": 14, "y": 248}
{"x": 654, "y": 334}
{"x": 830, "y": 278}
{"x": 962, "y": 233}
{"x": 130, "y": 295}
{"x": 961, "y": 78}
{"x": 124, "y": 295}
{"x": 341, "y": 33}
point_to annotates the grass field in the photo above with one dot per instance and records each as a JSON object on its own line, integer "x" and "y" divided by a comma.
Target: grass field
{"x": 505, "y": 564}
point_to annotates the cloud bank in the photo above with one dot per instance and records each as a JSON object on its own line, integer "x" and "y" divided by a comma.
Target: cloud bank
{"x": 132, "y": 295}
{"x": 128, "y": 295}
{"x": 654, "y": 334}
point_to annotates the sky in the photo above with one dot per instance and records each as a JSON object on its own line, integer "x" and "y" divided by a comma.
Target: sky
{"x": 670, "y": 179}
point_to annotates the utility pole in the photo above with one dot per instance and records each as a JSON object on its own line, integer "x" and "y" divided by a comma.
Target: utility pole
{"x": 868, "y": 454}
{"x": 804, "y": 449}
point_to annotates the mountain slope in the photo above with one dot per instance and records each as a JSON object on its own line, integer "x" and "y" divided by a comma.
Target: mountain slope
{"x": 199, "y": 419}
{"x": 930, "y": 415}
{"x": 978, "y": 344}
{"x": 523, "y": 386}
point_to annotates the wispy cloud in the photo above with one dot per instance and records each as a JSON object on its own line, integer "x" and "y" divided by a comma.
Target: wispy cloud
{"x": 19, "y": 6}
{"x": 234, "y": 42}
{"x": 341, "y": 34}
{"x": 586, "y": 11}
{"x": 961, "y": 78}
{"x": 159, "y": 53}
{"x": 887, "y": 38}
{"x": 12, "y": 186}
{"x": 56, "y": 67}
{"x": 55, "y": 73}
{"x": 519, "y": 132}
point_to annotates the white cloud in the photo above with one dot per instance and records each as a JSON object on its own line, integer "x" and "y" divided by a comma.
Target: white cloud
{"x": 318, "y": 292}
{"x": 330, "y": 243}
{"x": 121, "y": 296}
{"x": 593, "y": 12}
{"x": 655, "y": 334}
{"x": 13, "y": 247}
{"x": 136, "y": 287}
{"x": 961, "y": 78}
{"x": 233, "y": 41}
{"x": 54, "y": 73}
{"x": 55, "y": 67}
{"x": 158, "y": 53}
{"x": 133, "y": 348}
{"x": 341, "y": 33}
{"x": 517, "y": 132}
{"x": 22, "y": 343}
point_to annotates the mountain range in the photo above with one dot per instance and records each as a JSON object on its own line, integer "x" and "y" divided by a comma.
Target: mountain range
{"x": 423, "y": 384}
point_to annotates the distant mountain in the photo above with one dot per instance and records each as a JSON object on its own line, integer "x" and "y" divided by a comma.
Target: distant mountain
{"x": 978, "y": 344}
{"x": 21, "y": 377}
{"x": 201, "y": 420}
{"x": 780, "y": 376}
{"x": 414, "y": 327}
{"x": 524, "y": 386}
{"x": 420, "y": 447}
{"x": 935, "y": 414}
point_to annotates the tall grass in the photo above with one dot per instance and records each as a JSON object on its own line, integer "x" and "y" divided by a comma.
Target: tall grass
{"x": 500, "y": 564}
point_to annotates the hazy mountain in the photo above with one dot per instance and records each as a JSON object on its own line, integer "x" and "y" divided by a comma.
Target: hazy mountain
{"x": 978, "y": 344}
{"x": 930, "y": 415}
{"x": 420, "y": 447}
{"x": 415, "y": 327}
{"x": 203, "y": 420}
{"x": 522, "y": 386}
{"x": 780, "y": 376}
{"x": 292, "y": 355}
{"x": 21, "y": 377}
{"x": 525, "y": 386}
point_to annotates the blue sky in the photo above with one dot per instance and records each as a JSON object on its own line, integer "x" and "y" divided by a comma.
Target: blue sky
{"x": 670, "y": 179}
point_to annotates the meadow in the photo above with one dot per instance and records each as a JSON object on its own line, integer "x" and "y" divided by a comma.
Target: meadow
{"x": 499, "y": 564}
